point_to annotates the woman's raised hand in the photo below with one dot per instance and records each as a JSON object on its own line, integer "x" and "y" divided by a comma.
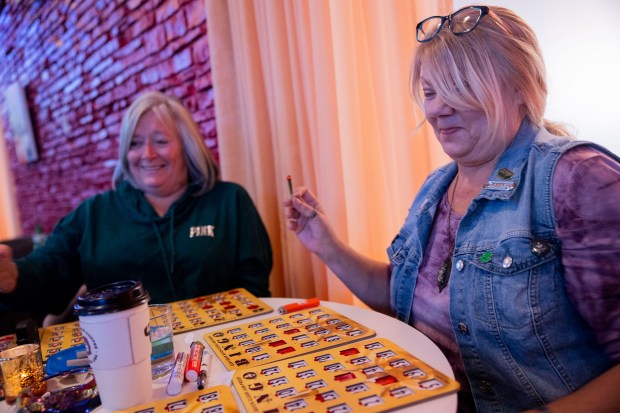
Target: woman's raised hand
{"x": 306, "y": 218}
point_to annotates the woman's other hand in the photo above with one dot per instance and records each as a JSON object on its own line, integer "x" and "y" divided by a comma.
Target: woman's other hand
{"x": 8, "y": 270}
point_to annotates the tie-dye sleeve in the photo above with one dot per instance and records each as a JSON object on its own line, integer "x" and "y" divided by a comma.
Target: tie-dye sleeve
{"x": 586, "y": 197}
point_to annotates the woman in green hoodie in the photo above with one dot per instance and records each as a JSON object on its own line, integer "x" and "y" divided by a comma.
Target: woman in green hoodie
{"x": 168, "y": 222}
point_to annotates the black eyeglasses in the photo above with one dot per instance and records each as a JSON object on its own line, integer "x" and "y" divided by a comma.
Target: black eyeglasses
{"x": 460, "y": 22}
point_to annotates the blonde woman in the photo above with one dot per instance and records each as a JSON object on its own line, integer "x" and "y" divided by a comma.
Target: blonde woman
{"x": 168, "y": 222}
{"x": 509, "y": 259}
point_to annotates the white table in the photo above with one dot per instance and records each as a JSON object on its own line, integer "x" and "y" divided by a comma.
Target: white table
{"x": 398, "y": 332}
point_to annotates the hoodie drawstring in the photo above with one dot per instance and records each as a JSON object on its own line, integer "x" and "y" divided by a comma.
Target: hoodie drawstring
{"x": 172, "y": 246}
{"x": 169, "y": 266}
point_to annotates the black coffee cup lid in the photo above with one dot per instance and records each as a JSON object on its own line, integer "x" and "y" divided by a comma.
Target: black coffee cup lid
{"x": 111, "y": 298}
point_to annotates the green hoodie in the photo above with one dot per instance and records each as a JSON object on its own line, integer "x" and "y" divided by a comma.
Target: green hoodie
{"x": 202, "y": 245}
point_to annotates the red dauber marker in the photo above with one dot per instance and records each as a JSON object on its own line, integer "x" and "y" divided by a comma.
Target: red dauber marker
{"x": 289, "y": 308}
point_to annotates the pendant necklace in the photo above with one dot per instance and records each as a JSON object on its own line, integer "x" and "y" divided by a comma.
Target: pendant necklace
{"x": 443, "y": 276}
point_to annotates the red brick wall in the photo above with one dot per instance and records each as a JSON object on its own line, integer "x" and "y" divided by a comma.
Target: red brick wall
{"x": 81, "y": 63}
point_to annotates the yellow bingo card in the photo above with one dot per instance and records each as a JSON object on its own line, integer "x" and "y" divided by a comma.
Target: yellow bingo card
{"x": 217, "y": 399}
{"x": 214, "y": 309}
{"x": 369, "y": 376}
{"x": 283, "y": 337}
{"x": 59, "y": 337}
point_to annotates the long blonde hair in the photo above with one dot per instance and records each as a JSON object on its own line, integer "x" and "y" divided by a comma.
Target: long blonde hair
{"x": 474, "y": 70}
{"x": 202, "y": 168}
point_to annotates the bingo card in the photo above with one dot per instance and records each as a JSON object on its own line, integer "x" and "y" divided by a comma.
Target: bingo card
{"x": 188, "y": 315}
{"x": 217, "y": 399}
{"x": 59, "y": 337}
{"x": 7, "y": 342}
{"x": 369, "y": 376}
{"x": 285, "y": 336}
{"x": 214, "y": 309}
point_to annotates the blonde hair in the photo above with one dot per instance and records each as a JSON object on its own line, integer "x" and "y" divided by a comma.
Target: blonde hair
{"x": 474, "y": 70}
{"x": 202, "y": 169}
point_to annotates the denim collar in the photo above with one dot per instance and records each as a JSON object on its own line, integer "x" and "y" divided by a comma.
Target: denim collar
{"x": 501, "y": 185}
{"x": 507, "y": 174}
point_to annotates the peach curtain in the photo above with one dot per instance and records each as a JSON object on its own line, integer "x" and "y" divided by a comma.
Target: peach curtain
{"x": 319, "y": 90}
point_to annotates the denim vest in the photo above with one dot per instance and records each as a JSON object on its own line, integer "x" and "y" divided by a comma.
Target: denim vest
{"x": 522, "y": 342}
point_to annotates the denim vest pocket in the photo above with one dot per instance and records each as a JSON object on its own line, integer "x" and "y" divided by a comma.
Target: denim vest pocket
{"x": 514, "y": 282}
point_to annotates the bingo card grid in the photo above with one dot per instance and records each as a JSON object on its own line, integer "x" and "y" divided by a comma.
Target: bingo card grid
{"x": 59, "y": 337}
{"x": 283, "y": 337}
{"x": 369, "y": 376}
{"x": 216, "y": 399}
{"x": 214, "y": 309}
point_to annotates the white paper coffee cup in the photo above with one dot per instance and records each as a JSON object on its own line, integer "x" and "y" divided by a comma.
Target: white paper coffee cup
{"x": 114, "y": 320}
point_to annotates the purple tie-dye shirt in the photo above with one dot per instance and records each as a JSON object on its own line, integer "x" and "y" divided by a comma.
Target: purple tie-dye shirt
{"x": 586, "y": 201}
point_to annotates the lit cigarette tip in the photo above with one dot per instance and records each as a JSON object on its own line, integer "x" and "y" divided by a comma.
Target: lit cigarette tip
{"x": 290, "y": 184}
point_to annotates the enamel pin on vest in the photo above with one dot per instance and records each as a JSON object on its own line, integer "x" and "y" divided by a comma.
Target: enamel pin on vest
{"x": 499, "y": 186}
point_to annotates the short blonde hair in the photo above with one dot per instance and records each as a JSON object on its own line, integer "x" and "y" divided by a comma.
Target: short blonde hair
{"x": 202, "y": 168}
{"x": 474, "y": 70}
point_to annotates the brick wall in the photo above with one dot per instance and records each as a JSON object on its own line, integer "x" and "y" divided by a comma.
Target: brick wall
{"x": 81, "y": 63}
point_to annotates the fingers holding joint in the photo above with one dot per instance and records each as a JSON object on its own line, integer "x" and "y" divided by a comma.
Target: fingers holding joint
{"x": 313, "y": 214}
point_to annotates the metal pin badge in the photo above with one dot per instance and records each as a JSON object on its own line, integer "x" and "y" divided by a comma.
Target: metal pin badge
{"x": 540, "y": 247}
{"x": 505, "y": 174}
{"x": 500, "y": 186}
{"x": 486, "y": 257}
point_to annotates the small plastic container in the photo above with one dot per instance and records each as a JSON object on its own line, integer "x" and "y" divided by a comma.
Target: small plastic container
{"x": 73, "y": 390}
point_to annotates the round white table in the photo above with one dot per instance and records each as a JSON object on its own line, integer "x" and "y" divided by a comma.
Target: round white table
{"x": 398, "y": 332}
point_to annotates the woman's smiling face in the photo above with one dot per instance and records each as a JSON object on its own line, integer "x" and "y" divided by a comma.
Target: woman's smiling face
{"x": 156, "y": 159}
{"x": 463, "y": 133}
